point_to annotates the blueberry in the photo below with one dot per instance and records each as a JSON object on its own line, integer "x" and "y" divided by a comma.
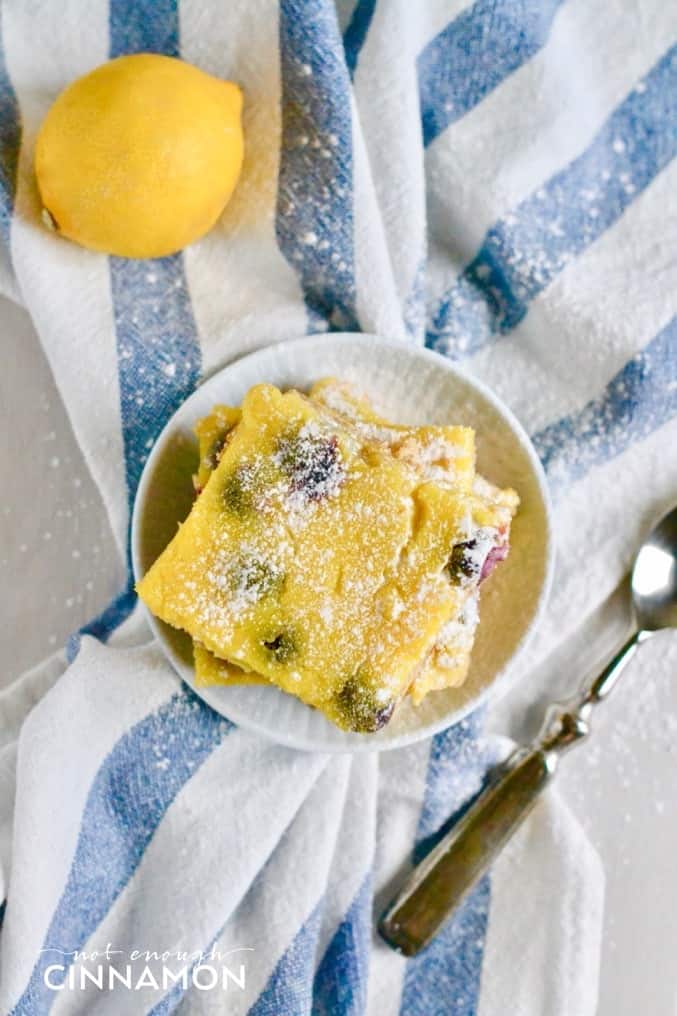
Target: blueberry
{"x": 282, "y": 647}
{"x": 312, "y": 462}
{"x": 463, "y": 563}
{"x": 239, "y": 490}
{"x": 255, "y": 578}
{"x": 358, "y": 705}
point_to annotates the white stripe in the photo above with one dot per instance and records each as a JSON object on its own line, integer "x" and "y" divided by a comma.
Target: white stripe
{"x": 207, "y": 851}
{"x": 108, "y": 692}
{"x": 594, "y": 317}
{"x": 281, "y": 901}
{"x": 402, "y": 782}
{"x": 537, "y": 121}
{"x": 16, "y": 702}
{"x": 389, "y": 184}
{"x": 353, "y": 855}
{"x": 18, "y": 698}
{"x": 244, "y": 293}
{"x": 391, "y": 124}
{"x": 533, "y": 966}
{"x": 598, "y": 526}
{"x": 67, "y": 289}
{"x": 378, "y": 308}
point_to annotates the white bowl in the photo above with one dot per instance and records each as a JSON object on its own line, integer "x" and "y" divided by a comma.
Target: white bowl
{"x": 409, "y": 385}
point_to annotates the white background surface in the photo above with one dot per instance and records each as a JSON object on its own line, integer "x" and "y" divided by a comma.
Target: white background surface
{"x": 58, "y": 567}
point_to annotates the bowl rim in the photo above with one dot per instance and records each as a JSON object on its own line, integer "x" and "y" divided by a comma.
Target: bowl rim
{"x": 504, "y": 679}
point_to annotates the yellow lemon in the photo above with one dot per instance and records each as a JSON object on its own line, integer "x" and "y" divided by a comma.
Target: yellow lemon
{"x": 139, "y": 157}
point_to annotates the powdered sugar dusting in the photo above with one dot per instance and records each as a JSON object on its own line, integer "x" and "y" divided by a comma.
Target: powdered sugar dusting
{"x": 312, "y": 461}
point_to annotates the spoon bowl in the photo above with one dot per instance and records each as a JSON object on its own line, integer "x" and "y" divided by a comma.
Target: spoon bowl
{"x": 654, "y": 577}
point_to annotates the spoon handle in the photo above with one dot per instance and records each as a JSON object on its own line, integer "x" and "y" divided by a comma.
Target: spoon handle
{"x": 603, "y": 685}
{"x": 439, "y": 883}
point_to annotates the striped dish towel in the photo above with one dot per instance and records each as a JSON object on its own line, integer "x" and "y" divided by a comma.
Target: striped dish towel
{"x": 494, "y": 179}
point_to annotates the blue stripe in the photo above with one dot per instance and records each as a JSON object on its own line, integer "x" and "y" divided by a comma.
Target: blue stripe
{"x": 475, "y": 53}
{"x": 638, "y": 400}
{"x": 523, "y": 252}
{"x": 446, "y": 977}
{"x": 10, "y": 143}
{"x": 356, "y": 33}
{"x": 289, "y": 988}
{"x": 144, "y": 26}
{"x": 457, "y": 759}
{"x": 340, "y": 985}
{"x": 315, "y": 218}
{"x": 169, "y": 1003}
{"x": 158, "y": 351}
{"x": 131, "y": 792}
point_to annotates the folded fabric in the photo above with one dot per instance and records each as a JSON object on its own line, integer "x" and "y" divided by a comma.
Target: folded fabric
{"x": 432, "y": 172}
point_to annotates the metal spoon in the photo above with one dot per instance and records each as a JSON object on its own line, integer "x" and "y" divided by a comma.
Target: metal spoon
{"x": 437, "y": 885}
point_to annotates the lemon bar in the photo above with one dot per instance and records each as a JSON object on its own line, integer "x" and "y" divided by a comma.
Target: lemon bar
{"x": 444, "y": 454}
{"x": 315, "y": 558}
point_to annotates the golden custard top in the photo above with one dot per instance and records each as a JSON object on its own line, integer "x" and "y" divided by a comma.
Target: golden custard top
{"x": 316, "y": 557}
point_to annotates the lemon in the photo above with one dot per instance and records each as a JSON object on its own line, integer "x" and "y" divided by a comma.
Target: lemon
{"x": 139, "y": 157}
